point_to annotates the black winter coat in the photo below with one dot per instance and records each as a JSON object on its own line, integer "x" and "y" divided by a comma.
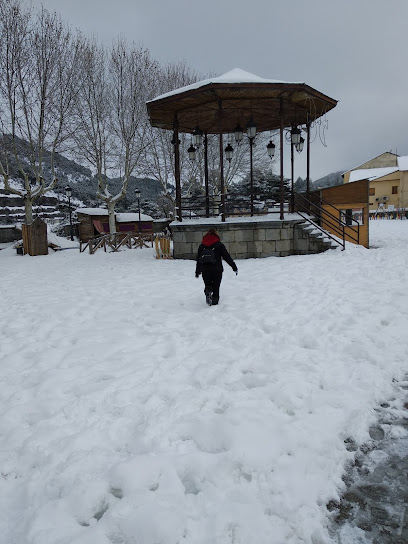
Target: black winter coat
{"x": 220, "y": 252}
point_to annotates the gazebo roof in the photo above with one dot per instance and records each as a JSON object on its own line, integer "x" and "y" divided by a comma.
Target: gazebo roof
{"x": 238, "y": 95}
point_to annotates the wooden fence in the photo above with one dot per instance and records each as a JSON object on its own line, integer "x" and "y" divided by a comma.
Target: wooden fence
{"x": 116, "y": 241}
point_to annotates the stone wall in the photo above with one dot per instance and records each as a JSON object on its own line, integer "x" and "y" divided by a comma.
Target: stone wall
{"x": 9, "y": 233}
{"x": 251, "y": 239}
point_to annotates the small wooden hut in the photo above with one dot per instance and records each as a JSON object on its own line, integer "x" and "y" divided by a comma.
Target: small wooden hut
{"x": 35, "y": 238}
{"x": 95, "y": 221}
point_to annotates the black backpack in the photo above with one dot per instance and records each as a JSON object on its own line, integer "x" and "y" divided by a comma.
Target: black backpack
{"x": 207, "y": 256}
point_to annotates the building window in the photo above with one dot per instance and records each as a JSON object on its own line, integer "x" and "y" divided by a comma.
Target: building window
{"x": 395, "y": 189}
{"x": 371, "y": 191}
{"x": 351, "y": 217}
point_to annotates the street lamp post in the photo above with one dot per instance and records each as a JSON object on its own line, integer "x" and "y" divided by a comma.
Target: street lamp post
{"x": 137, "y": 193}
{"x": 251, "y": 133}
{"x": 189, "y": 196}
{"x": 68, "y": 192}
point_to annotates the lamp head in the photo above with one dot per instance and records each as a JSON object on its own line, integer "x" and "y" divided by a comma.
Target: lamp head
{"x": 191, "y": 152}
{"x": 197, "y": 136}
{"x": 238, "y": 133}
{"x": 271, "y": 149}
{"x": 228, "y": 152}
{"x": 251, "y": 128}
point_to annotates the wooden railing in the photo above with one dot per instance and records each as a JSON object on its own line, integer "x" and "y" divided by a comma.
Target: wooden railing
{"x": 116, "y": 241}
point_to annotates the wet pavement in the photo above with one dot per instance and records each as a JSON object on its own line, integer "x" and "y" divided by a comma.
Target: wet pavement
{"x": 374, "y": 509}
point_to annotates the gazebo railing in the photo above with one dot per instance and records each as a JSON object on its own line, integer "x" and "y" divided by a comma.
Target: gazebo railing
{"x": 311, "y": 208}
{"x": 234, "y": 205}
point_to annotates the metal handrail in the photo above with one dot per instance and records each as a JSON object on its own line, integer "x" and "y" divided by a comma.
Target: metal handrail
{"x": 342, "y": 213}
{"x": 337, "y": 224}
{"x": 342, "y": 243}
{"x": 339, "y": 229}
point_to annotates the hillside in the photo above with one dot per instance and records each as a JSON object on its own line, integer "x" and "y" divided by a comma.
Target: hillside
{"x": 79, "y": 178}
{"x": 335, "y": 178}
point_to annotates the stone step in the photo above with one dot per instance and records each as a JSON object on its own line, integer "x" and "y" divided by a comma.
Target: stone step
{"x": 318, "y": 235}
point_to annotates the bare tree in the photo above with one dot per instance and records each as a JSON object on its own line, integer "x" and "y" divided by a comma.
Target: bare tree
{"x": 38, "y": 59}
{"x": 93, "y": 137}
{"x": 111, "y": 133}
{"x": 159, "y": 154}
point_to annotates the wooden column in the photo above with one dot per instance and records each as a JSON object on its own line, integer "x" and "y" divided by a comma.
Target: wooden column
{"x": 207, "y": 188}
{"x": 251, "y": 172}
{"x": 282, "y": 216}
{"x": 308, "y": 159}
{"x": 177, "y": 169}
{"x": 221, "y": 162}
{"x": 292, "y": 176}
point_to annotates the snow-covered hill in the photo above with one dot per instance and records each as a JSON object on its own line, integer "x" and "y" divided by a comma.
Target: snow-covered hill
{"x": 80, "y": 179}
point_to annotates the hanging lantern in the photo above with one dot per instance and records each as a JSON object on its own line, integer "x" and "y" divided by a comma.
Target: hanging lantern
{"x": 238, "y": 133}
{"x": 271, "y": 149}
{"x": 197, "y": 136}
{"x": 173, "y": 143}
{"x": 299, "y": 146}
{"x": 295, "y": 134}
{"x": 228, "y": 152}
{"x": 251, "y": 129}
{"x": 191, "y": 152}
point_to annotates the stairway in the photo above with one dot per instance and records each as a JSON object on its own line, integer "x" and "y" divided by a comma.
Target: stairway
{"x": 309, "y": 239}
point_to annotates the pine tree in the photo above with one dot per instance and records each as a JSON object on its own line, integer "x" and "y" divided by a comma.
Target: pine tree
{"x": 266, "y": 185}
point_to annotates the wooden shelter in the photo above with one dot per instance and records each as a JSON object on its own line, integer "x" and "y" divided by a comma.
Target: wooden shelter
{"x": 350, "y": 199}
{"x": 95, "y": 221}
{"x": 220, "y": 104}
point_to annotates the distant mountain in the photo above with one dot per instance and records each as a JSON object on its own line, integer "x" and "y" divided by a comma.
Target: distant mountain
{"x": 335, "y": 178}
{"x": 81, "y": 180}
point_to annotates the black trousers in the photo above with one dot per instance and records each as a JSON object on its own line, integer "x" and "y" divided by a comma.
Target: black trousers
{"x": 212, "y": 280}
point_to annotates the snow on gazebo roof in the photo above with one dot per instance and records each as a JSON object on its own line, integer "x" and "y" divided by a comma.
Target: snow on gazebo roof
{"x": 216, "y": 105}
{"x": 235, "y": 75}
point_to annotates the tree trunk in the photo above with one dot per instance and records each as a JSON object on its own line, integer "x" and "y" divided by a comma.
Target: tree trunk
{"x": 28, "y": 205}
{"x": 112, "y": 222}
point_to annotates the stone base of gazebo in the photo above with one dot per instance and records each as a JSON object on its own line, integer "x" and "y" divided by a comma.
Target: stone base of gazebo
{"x": 249, "y": 237}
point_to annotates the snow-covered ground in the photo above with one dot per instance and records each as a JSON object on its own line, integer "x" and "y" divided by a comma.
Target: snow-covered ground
{"x": 132, "y": 413}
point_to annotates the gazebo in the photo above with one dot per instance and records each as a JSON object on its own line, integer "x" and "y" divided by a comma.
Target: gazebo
{"x": 225, "y": 104}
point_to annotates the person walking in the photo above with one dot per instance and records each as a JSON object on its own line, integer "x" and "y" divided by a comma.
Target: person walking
{"x": 209, "y": 263}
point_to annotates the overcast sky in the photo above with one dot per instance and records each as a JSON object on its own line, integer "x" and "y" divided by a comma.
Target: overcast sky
{"x": 355, "y": 51}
